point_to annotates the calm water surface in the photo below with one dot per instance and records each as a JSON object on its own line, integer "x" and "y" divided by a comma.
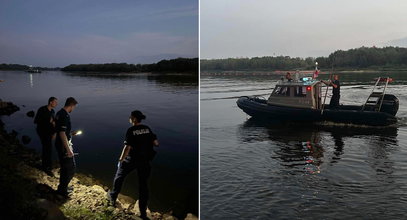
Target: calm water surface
{"x": 275, "y": 170}
{"x": 105, "y": 102}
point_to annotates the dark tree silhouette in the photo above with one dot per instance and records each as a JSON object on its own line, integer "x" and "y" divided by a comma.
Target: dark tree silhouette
{"x": 189, "y": 65}
{"x": 359, "y": 58}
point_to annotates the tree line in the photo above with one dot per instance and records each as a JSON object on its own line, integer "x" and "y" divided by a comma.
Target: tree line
{"x": 359, "y": 58}
{"x": 365, "y": 57}
{"x": 185, "y": 65}
{"x": 175, "y": 65}
{"x": 5, "y": 66}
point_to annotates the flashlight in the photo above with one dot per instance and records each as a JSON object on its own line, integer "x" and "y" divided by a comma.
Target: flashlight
{"x": 78, "y": 132}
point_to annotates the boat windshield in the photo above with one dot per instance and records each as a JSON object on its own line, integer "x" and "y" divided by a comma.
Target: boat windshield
{"x": 282, "y": 91}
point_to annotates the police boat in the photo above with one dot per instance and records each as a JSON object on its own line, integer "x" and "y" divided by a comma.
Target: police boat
{"x": 302, "y": 99}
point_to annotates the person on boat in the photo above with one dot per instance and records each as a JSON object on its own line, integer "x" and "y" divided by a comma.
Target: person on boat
{"x": 45, "y": 121}
{"x": 137, "y": 154}
{"x": 336, "y": 91}
{"x": 288, "y": 77}
{"x": 63, "y": 146}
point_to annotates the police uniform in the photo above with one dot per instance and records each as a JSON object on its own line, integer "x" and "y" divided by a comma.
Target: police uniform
{"x": 45, "y": 130}
{"x": 140, "y": 138}
{"x": 67, "y": 164}
{"x": 336, "y": 95}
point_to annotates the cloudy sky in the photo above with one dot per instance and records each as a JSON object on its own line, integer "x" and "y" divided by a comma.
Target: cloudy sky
{"x": 242, "y": 28}
{"x": 57, "y": 33}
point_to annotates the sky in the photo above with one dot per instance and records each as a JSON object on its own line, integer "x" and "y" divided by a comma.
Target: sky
{"x": 298, "y": 28}
{"x": 58, "y": 33}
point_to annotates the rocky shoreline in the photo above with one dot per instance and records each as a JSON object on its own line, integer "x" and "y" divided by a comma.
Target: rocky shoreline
{"x": 29, "y": 193}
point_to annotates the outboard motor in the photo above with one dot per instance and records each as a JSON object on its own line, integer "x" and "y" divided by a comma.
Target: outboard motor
{"x": 390, "y": 104}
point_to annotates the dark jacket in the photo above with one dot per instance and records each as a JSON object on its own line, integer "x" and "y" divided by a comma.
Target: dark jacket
{"x": 43, "y": 120}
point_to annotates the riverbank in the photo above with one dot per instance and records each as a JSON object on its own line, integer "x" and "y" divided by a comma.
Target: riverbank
{"x": 29, "y": 193}
{"x": 283, "y": 72}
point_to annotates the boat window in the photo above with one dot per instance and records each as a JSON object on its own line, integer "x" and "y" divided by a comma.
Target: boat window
{"x": 282, "y": 90}
{"x": 300, "y": 91}
{"x": 277, "y": 90}
{"x": 285, "y": 91}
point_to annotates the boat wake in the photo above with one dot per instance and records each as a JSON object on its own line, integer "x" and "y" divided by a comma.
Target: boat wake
{"x": 402, "y": 121}
{"x": 328, "y": 124}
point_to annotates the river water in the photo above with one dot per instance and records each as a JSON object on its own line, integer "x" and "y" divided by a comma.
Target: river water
{"x": 278, "y": 170}
{"x": 105, "y": 102}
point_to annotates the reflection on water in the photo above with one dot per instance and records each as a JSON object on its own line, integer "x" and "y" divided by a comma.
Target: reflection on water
{"x": 280, "y": 170}
{"x": 31, "y": 80}
{"x": 301, "y": 144}
{"x": 174, "y": 79}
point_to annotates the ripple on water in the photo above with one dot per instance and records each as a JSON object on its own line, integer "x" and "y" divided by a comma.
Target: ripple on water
{"x": 258, "y": 170}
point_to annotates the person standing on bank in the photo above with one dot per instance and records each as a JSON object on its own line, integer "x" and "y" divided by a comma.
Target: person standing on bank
{"x": 137, "y": 154}
{"x": 336, "y": 91}
{"x": 64, "y": 146}
{"x": 45, "y": 121}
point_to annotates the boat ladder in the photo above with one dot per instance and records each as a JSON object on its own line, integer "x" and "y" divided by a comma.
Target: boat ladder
{"x": 375, "y": 99}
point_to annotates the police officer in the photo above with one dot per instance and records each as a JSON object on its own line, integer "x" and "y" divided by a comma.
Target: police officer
{"x": 336, "y": 92}
{"x": 63, "y": 145}
{"x": 45, "y": 120}
{"x": 288, "y": 77}
{"x": 137, "y": 153}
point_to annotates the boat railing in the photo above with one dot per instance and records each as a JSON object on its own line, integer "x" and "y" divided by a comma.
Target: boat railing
{"x": 326, "y": 94}
{"x": 375, "y": 99}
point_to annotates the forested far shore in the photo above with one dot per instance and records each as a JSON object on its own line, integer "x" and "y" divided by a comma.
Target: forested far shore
{"x": 184, "y": 65}
{"x": 188, "y": 65}
{"x": 372, "y": 58}
{"x": 5, "y": 66}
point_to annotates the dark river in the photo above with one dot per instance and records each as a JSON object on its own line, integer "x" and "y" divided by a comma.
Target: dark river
{"x": 105, "y": 102}
{"x": 277, "y": 170}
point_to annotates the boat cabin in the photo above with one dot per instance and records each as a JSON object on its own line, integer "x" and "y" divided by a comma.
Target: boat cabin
{"x": 302, "y": 93}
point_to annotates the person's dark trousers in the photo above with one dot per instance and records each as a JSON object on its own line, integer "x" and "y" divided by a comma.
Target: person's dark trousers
{"x": 67, "y": 169}
{"x": 46, "y": 142}
{"x": 143, "y": 168}
{"x": 334, "y": 103}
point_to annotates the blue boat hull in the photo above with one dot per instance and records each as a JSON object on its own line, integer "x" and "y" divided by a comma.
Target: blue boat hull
{"x": 258, "y": 108}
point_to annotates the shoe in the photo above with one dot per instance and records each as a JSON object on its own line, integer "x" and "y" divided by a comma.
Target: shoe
{"x": 144, "y": 217}
{"x": 48, "y": 171}
{"x": 110, "y": 200}
{"x": 64, "y": 195}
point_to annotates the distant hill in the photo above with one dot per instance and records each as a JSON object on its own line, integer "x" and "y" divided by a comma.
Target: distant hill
{"x": 187, "y": 65}
{"x": 4, "y": 66}
{"x": 359, "y": 58}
